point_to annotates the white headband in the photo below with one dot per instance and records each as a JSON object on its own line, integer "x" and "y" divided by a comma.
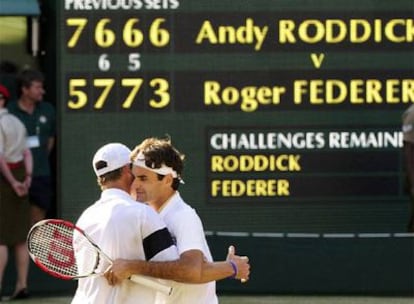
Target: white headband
{"x": 164, "y": 170}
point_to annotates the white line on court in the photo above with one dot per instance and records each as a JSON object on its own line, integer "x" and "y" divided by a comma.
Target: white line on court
{"x": 309, "y": 235}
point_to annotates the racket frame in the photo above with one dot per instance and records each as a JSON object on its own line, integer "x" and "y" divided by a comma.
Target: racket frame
{"x": 143, "y": 280}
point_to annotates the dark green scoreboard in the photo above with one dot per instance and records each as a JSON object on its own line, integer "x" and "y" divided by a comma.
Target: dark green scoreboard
{"x": 289, "y": 112}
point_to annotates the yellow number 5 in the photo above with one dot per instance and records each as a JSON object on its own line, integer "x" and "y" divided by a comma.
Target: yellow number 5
{"x": 75, "y": 90}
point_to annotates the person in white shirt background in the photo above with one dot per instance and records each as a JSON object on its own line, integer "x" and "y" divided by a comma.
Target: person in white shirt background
{"x": 16, "y": 165}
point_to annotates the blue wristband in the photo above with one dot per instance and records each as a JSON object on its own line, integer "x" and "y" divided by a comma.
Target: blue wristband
{"x": 234, "y": 266}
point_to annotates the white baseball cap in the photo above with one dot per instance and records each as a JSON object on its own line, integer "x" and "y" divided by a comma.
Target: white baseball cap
{"x": 115, "y": 155}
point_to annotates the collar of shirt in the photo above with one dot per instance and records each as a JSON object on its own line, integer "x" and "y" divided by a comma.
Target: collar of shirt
{"x": 173, "y": 200}
{"x": 110, "y": 193}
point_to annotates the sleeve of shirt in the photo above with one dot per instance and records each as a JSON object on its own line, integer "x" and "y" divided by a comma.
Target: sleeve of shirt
{"x": 189, "y": 231}
{"x": 157, "y": 241}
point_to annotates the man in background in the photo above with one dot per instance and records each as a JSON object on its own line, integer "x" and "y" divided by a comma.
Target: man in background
{"x": 39, "y": 119}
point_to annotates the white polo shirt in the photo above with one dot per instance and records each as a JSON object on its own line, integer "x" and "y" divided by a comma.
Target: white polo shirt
{"x": 122, "y": 228}
{"x": 12, "y": 137}
{"x": 187, "y": 231}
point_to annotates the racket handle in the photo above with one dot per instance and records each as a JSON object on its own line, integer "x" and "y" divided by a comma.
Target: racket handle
{"x": 152, "y": 283}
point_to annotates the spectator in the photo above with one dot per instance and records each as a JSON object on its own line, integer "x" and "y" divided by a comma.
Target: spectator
{"x": 39, "y": 118}
{"x": 8, "y": 74}
{"x": 15, "y": 178}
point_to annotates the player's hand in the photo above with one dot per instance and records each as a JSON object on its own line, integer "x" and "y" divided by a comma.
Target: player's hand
{"x": 242, "y": 264}
{"x": 117, "y": 272}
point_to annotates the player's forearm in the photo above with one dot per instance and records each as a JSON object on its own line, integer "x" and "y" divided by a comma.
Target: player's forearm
{"x": 215, "y": 271}
{"x": 170, "y": 270}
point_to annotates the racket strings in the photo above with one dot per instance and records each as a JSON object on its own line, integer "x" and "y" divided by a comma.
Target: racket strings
{"x": 86, "y": 255}
{"x": 62, "y": 250}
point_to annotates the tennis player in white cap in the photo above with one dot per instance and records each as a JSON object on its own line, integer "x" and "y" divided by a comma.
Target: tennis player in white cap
{"x": 122, "y": 228}
{"x": 157, "y": 167}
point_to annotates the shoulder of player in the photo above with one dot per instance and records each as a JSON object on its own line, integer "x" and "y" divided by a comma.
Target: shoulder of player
{"x": 178, "y": 204}
{"x": 135, "y": 206}
{"x": 183, "y": 215}
{"x": 185, "y": 208}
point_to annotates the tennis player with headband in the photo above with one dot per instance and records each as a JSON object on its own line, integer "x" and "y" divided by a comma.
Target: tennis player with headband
{"x": 163, "y": 170}
{"x": 157, "y": 168}
{"x": 122, "y": 228}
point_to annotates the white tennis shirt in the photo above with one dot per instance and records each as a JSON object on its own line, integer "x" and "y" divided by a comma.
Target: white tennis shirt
{"x": 118, "y": 225}
{"x": 187, "y": 231}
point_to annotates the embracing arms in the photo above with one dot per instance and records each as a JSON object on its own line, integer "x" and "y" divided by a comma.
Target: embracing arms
{"x": 191, "y": 267}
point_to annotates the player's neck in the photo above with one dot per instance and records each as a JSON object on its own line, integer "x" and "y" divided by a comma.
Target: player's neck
{"x": 161, "y": 203}
{"x": 116, "y": 184}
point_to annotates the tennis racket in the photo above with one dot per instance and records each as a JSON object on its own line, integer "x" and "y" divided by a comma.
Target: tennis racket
{"x": 54, "y": 244}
